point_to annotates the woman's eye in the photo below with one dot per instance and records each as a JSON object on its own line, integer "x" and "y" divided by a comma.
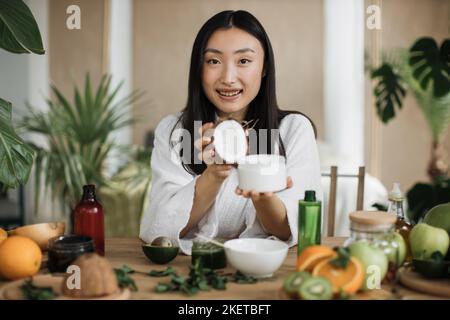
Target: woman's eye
{"x": 244, "y": 61}
{"x": 212, "y": 61}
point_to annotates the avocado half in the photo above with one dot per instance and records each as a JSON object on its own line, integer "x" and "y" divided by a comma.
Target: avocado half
{"x": 432, "y": 269}
{"x": 158, "y": 254}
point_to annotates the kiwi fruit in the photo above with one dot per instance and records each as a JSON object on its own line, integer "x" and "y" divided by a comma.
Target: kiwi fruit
{"x": 293, "y": 282}
{"x": 315, "y": 288}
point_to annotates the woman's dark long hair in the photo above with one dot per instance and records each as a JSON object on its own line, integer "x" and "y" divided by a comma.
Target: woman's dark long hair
{"x": 263, "y": 107}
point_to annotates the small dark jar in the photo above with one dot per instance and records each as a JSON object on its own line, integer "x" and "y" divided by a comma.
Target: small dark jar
{"x": 63, "y": 250}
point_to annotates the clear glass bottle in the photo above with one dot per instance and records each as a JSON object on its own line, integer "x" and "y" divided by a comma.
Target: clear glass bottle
{"x": 402, "y": 226}
{"x": 309, "y": 221}
{"x": 378, "y": 228}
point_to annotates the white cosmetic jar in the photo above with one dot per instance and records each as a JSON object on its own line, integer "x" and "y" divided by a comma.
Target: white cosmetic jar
{"x": 262, "y": 172}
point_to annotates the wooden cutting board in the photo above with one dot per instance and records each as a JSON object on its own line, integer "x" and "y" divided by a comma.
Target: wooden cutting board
{"x": 11, "y": 291}
{"x": 413, "y": 280}
{"x": 379, "y": 294}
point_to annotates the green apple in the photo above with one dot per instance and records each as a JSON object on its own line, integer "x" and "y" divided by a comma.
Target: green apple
{"x": 370, "y": 257}
{"x": 425, "y": 240}
{"x": 397, "y": 255}
{"x": 439, "y": 217}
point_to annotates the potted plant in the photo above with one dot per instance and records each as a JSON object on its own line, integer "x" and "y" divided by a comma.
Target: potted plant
{"x": 78, "y": 155}
{"x": 423, "y": 70}
{"x": 80, "y": 142}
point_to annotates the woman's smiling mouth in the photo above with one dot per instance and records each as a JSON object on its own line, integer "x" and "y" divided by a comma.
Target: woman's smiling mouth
{"x": 229, "y": 94}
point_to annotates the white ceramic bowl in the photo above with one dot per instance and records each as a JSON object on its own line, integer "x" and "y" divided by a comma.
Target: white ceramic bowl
{"x": 262, "y": 172}
{"x": 255, "y": 257}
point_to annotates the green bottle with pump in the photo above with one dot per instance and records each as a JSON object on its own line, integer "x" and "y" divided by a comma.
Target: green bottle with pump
{"x": 309, "y": 221}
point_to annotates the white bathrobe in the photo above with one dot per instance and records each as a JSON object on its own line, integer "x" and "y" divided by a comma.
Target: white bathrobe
{"x": 231, "y": 216}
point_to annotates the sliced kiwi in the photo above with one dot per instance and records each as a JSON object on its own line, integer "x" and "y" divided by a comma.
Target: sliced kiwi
{"x": 315, "y": 288}
{"x": 293, "y": 282}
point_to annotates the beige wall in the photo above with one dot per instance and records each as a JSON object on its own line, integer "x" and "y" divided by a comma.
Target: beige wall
{"x": 406, "y": 140}
{"x": 72, "y": 53}
{"x": 165, "y": 31}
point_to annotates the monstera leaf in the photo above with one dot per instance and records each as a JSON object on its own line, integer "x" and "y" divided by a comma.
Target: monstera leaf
{"x": 424, "y": 196}
{"x": 16, "y": 158}
{"x": 431, "y": 65}
{"x": 423, "y": 70}
{"x": 388, "y": 92}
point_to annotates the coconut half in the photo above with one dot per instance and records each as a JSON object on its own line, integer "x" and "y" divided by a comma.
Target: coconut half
{"x": 230, "y": 142}
{"x": 41, "y": 233}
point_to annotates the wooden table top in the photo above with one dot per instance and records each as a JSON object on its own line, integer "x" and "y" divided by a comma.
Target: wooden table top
{"x": 128, "y": 251}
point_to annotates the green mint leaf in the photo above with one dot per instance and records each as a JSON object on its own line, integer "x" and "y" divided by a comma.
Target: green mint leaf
{"x": 342, "y": 259}
{"x": 203, "y": 285}
{"x": 127, "y": 269}
{"x": 219, "y": 283}
{"x": 32, "y": 292}
{"x": 189, "y": 290}
{"x": 124, "y": 280}
{"x": 241, "y": 278}
{"x": 164, "y": 287}
{"x": 177, "y": 280}
{"x": 164, "y": 273}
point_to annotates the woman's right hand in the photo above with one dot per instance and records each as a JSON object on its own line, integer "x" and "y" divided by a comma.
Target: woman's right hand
{"x": 218, "y": 172}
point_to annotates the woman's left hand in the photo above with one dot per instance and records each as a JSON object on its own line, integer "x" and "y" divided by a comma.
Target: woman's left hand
{"x": 255, "y": 195}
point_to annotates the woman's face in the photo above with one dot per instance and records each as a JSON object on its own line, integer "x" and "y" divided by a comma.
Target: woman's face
{"x": 232, "y": 71}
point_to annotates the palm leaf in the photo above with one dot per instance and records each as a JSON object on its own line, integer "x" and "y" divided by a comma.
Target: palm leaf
{"x": 79, "y": 137}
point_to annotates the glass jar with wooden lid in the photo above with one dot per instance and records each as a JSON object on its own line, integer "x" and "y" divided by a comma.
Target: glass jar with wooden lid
{"x": 378, "y": 228}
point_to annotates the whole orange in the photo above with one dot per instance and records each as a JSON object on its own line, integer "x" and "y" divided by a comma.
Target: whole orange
{"x": 20, "y": 257}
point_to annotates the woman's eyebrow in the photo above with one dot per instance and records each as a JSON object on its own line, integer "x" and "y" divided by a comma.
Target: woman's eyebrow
{"x": 243, "y": 50}
{"x": 212, "y": 50}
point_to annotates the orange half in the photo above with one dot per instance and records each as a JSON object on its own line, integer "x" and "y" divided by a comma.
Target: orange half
{"x": 312, "y": 255}
{"x": 348, "y": 280}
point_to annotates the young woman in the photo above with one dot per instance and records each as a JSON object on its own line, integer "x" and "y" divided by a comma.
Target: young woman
{"x": 232, "y": 74}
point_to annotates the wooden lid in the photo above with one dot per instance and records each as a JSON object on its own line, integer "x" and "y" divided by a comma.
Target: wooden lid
{"x": 372, "y": 217}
